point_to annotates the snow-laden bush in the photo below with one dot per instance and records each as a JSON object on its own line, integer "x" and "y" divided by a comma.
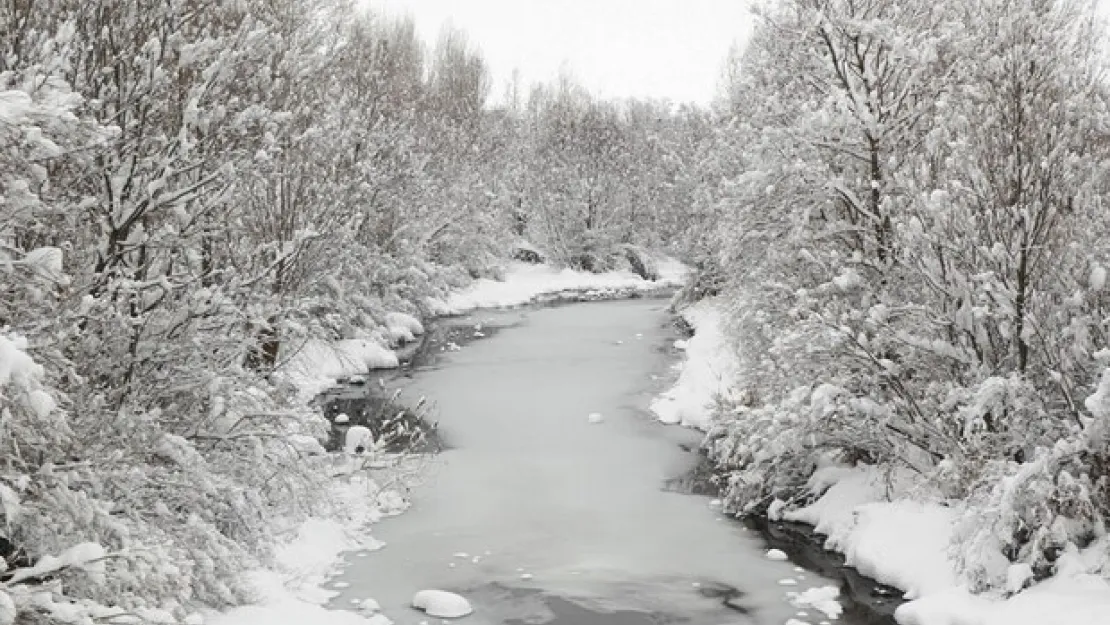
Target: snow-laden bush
{"x": 921, "y": 283}
{"x": 1028, "y": 514}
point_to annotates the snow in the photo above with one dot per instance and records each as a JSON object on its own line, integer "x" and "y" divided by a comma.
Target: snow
{"x": 776, "y": 554}
{"x": 875, "y": 535}
{"x": 16, "y": 367}
{"x": 524, "y": 282}
{"x": 906, "y": 544}
{"x": 46, "y": 262}
{"x": 402, "y": 327}
{"x": 709, "y": 371}
{"x": 1097, "y": 280}
{"x": 317, "y": 365}
{"x": 88, "y": 556}
{"x": 288, "y": 611}
{"x": 306, "y": 444}
{"x": 403, "y": 320}
{"x": 358, "y": 436}
{"x": 293, "y": 592}
{"x": 41, "y": 403}
{"x": 441, "y": 604}
{"x": 7, "y": 609}
{"x": 1073, "y": 600}
{"x": 823, "y": 599}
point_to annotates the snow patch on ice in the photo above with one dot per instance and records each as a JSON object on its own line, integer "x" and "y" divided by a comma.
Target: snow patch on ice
{"x": 441, "y": 604}
{"x": 776, "y": 554}
{"x": 822, "y": 599}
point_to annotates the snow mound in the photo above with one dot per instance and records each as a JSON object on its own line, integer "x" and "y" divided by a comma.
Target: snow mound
{"x": 872, "y": 533}
{"x": 776, "y": 554}
{"x": 709, "y": 371}
{"x": 317, "y": 365}
{"x": 441, "y": 604}
{"x": 356, "y": 437}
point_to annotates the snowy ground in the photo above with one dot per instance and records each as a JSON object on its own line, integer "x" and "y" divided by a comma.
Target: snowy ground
{"x": 293, "y": 593}
{"x": 707, "y": 372}
{"x": 903, "y": 543}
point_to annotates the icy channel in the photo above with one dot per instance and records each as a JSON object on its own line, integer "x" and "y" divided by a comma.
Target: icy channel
{"x": 534, "y": 499}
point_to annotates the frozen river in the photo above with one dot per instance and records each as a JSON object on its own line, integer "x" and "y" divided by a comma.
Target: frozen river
{"x": 538, "y": 515}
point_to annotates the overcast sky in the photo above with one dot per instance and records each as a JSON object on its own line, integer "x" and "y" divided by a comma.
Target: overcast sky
{"x": 671, "y": 49}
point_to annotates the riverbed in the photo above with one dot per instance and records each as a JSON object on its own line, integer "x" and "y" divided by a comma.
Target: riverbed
{"x": 539, "y": 513}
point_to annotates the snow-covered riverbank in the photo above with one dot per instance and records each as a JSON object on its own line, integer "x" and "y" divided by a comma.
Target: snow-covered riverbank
{"x": 318, "y": 365}
{"x": 893, "y": 536}
{"x": 706, "y": 373}
{"x": 293, "y": 593}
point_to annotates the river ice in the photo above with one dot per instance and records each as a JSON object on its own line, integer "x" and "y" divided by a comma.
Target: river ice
{"x": 538, "y": 497}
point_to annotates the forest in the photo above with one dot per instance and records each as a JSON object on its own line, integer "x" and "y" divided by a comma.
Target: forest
{"x": 900, "y": 204}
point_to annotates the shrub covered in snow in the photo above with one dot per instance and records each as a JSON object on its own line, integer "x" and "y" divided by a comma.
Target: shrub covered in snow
{"x": 904, "y": 293}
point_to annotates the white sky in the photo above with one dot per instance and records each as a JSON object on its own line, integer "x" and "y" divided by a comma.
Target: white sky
{"x": 671, "y": 49}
